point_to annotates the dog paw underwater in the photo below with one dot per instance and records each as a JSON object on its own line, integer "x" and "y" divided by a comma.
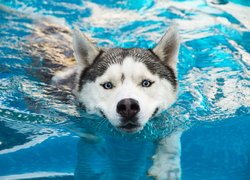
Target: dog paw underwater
{"x": 127, "y": 87}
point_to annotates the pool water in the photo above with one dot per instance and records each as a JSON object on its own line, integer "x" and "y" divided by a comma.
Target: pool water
{"x": 39, "y": 131}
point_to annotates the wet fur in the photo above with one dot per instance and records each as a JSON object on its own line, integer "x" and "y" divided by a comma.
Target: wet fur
{"x": 89, "y": 63}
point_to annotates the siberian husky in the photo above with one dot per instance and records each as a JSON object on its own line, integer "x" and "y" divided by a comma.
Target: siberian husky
{"x": 128, "y": 87}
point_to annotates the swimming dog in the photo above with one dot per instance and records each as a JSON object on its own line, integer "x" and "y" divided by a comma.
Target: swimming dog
{"x": 125, "y": 86}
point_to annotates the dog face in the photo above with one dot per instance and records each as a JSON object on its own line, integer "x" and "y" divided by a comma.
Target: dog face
{"x": 126, "y": 86}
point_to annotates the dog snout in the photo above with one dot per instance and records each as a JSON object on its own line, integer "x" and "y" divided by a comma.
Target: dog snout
{"x": 128, "y": 108}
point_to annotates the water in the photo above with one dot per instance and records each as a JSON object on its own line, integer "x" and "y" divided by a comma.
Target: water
{"x": 39, "y": 129}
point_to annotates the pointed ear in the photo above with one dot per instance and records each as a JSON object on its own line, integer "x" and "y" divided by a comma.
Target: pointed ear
{"x": 168, "y": 47}
{"x": 84, "y": 51}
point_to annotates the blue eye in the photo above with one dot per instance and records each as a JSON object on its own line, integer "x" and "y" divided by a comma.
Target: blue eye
{"x": 146, "y": 83}
{"x": 107, "y": 85}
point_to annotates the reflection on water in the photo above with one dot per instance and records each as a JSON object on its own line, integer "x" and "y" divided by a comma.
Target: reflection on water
{"x": 213, "y": 72}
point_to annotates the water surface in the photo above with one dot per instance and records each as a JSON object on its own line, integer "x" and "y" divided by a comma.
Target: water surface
{"x": 38, "y": 129}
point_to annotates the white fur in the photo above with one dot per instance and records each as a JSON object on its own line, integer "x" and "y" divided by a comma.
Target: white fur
{"x": 166, "y": 161}
{"x": 159, "y": 95}
{"x": 64, "y": 74}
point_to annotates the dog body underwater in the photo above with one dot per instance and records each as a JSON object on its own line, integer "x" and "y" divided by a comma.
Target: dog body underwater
{"x": 128, "y": 87}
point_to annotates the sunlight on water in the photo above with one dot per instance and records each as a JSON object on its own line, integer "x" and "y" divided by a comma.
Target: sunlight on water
{"x": 213, "y": 66}
{"x": 214, "y": 85}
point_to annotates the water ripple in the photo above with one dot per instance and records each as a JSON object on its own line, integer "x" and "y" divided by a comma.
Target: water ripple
{"x": 213, "y": 66}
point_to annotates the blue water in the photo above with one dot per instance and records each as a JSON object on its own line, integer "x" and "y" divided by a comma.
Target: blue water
{"x": 39, "y": 131}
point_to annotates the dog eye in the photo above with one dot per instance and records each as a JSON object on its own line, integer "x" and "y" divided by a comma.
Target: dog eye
{"x": 146, "y": 83}
{"x": 107, "y": 85}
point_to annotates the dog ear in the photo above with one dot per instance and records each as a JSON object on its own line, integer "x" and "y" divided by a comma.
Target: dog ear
{"x": 84, "y": 51}
{"x": 168, "y": 47}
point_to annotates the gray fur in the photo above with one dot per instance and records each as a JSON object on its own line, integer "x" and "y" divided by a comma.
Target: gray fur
{"x": 117, "y": 55}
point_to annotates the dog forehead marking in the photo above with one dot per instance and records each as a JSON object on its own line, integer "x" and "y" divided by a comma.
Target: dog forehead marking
{"x": 122, "y": 77}
{"x": 116, "y": 56}
{"x": 130, "y": 69}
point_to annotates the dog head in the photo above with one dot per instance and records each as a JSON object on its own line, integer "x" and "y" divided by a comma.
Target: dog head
{"x": 126, "y": 86}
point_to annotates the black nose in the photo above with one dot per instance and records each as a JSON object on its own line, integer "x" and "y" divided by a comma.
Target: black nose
{"x": 128, "y": 108}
